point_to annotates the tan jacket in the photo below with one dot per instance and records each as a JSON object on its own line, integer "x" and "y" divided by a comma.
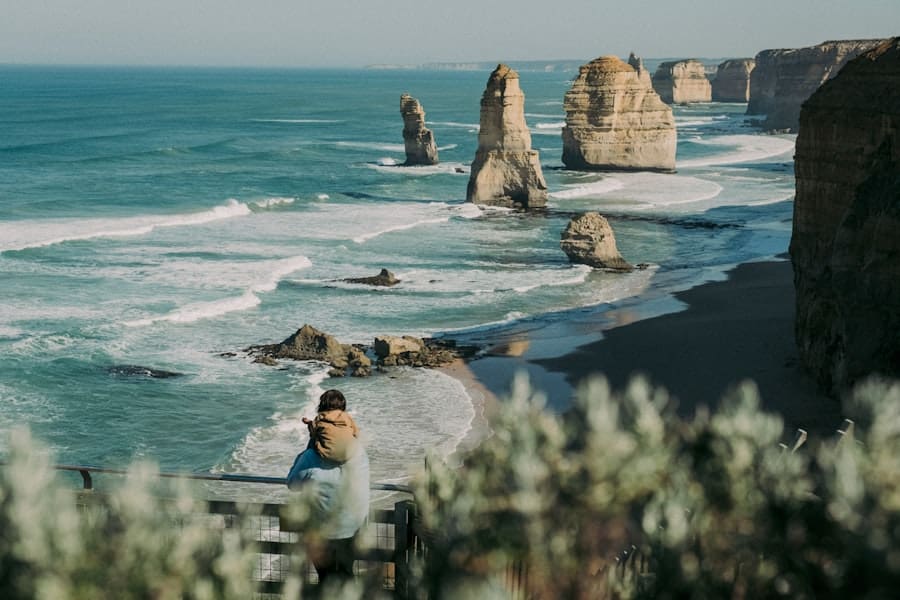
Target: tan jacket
{"x": 333, "y": 434}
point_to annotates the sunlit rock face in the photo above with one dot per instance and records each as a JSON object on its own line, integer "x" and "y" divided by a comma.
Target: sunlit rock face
{"x": 616, "y": 121}
{"x": 506, "y": 171}
{"x": 846, "y": 232}
{"x": 682, "y": 82}
{"x": 732, "y": 82}
{"x": 784, "y": 79}
{"x": 417, "y": 139}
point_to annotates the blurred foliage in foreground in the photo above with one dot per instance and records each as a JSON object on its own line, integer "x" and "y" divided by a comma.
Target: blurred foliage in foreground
{"x": 716, "y": 506}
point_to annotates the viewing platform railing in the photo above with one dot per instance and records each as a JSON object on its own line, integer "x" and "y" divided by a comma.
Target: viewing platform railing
{"x": 387, "y": 542}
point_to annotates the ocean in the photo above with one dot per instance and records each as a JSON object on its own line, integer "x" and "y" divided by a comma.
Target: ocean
{"x": 160, "y": 218}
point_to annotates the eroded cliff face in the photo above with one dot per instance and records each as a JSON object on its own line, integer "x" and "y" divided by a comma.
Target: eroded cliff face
{"x": 846, "y": 233}
{"x": 784, "y": 79}
{"x": 732, "y": 82}
{"x": 417, "y": 139}
{"x": 615, "y": 120}
{"x": 506, "y": 171}
{"x": 682, "y": 82}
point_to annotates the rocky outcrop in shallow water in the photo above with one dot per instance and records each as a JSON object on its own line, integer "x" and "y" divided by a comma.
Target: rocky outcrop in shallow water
{"x": 141, "y": 371}
{"x": 506, "y": 171}
{"x": 732, "y": 82}
{"x": 588, "y": 239}
{"x": 384, "y": 279}
{"x": 417, "y": 139}
{"x": 308, "y": 343}
{"x": 845, "y": 245}
{"x": 682, "y": 82}
{"x": 783, "y": 79}
{"x": 615, "y": 121}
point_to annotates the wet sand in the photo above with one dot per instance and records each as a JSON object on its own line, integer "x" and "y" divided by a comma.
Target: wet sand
{"x": 729, "y": 331}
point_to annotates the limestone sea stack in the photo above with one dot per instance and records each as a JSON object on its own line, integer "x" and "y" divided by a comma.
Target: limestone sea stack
{"x": 637, "y": 63}
{"x": 682, "y": 82}
{"x": 588, "y": 239}
{"x": 418, "y": 140}
{"x": 846, "y": 231}
{"x": 615, "y": 121}
{"x": 784, "y": 79}
{"x": 506, "y": 171}
{"x": 732, "y": 82}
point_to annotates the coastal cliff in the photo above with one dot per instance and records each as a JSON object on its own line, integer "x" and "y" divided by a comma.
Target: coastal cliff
{"x": 845, "y": 245}
{"x": 784, "y": 79}
{"x": 418, "y": 140}
{"x": 682, "y": 82}
{"x": 732, "y": 82}
{"x": 614, "y": 120}
{"x": 506, "y": 171}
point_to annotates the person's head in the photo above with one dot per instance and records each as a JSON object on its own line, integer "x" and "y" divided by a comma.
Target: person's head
{"x": 332, "y": 400}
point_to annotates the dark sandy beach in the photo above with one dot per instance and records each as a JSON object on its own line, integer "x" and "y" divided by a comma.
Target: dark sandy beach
{"x": 730, "y": 331}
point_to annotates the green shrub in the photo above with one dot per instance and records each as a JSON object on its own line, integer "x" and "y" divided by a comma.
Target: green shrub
{"x": 716, "y": 505}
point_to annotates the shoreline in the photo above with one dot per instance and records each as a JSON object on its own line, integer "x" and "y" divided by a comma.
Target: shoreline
{"x": 727, "y": 332}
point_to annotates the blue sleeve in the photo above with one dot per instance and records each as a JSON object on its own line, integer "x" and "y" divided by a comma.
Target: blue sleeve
{"x": 301, "y": 469}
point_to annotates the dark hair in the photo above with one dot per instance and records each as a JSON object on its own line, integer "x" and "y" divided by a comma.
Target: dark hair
{"x": 332, "y": 400}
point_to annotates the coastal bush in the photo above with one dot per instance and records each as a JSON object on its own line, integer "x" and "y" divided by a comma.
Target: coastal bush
{"x": 619, "y": 498}
{"x": 140, "y": 541}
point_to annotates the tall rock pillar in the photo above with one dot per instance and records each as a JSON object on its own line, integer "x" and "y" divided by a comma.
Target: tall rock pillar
{"x": 419, "y": 141}
{"x": 506, "y": 171}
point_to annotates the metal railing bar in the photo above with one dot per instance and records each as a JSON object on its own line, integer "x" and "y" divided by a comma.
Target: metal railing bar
{"x": 87, "y": 470}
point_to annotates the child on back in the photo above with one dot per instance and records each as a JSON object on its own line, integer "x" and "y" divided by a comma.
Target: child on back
{"x": 333, "y": 433}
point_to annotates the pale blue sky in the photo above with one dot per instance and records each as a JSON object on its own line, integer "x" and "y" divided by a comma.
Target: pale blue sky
{"x": 359, "y": 32}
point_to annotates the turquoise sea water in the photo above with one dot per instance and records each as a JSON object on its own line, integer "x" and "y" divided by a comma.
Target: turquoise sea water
{"x": 161, "y": 217}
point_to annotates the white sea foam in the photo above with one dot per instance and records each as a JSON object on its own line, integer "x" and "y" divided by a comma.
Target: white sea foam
{"x": 469, "y": 126}
{"x": 467, "y": 210}
{"x": 557, "y": 125}
{"x": 372, "y": 146}
{"x": 36, "y": 233}
{"x": 642, "y": 191}
{"x": 543, "y": 115}
{"x": 447, "y": 147}
{"x": 741, "y": 149}
{"x": 581, "y": 274}
{"x": 322, "y": 197}
{"x": 10, "y": 332}
{"x": 584, "y": 190}
{"x": 276, "y": 271}
{"x": 421, "y": 409}
{"x": 361, "y": 239}
{"x": 391, "y": 166}
{"x": 273, "y": 202}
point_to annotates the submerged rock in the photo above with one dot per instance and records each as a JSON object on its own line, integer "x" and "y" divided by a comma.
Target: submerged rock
{"x": 732, "y": 82}
{"x": 141, "y": 371}
{"x": 418, "y": 140}
{"x": 384, "y": 279}
{"x": 784, "y": 79}
{"x": 506, "y": 171}
{"x": 588, "y": 239}
{"x": 616, "y": 121}
{"x": 845, "y": 245}
{"x": 682, "y": 82}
